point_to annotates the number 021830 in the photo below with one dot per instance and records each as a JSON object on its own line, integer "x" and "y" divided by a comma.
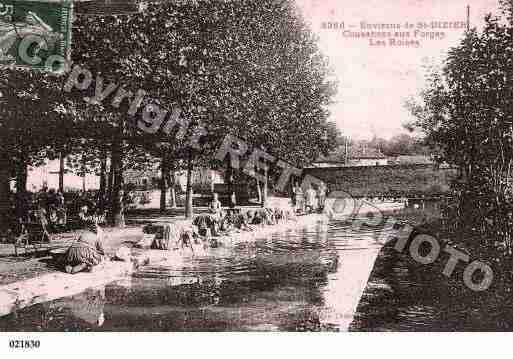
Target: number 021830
{"x": 24, "y": 344}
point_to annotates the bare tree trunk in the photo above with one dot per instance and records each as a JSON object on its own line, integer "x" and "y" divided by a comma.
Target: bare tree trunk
{"x": 164, "y": 173}
{"x": 21, "y": 177}
{"x": 84, "y": 172}
{"x": 5, "y": 192}
{"x": 189, "y": 194}
{"x": 172, "y": 184}
{"x": 103, "y": 179}
{"x": 117, "y": 212}
{"x": 266, "y": 189}
{"x": 61, "y": 171}
{"x": 229, "y": 179}
{"x": 259, "y": 190}
{"x": 110, "y": 183}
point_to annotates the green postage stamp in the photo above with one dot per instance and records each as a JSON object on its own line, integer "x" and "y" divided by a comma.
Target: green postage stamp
{"x": 35, "y": 33}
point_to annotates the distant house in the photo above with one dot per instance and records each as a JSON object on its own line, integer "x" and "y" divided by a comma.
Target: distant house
{"x": 365, "y": 156}
{"x": 334, "y": 159}
{"x": 356, "y": 157}
{"x": 321, "y": 163}
{"x": 413, "y": 160}
{"x": 141, "y": 179}
{"x": 202, "y": 179}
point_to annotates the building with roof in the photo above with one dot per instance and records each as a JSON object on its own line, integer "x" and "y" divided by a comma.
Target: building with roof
{"x": 365, "y": 156}
{"x": 202, "y": 179}
{"x": 355, "y": 157}
{"x": 413, "y": 160}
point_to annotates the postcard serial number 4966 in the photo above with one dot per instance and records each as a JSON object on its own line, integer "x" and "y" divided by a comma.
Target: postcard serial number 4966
{"x": 24, "y": 344}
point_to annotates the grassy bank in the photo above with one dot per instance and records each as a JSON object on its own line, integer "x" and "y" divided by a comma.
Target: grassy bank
{"x": 405, "y": 295}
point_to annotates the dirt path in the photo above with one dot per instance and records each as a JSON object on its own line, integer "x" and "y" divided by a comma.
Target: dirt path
{"x": 33, "y": 264}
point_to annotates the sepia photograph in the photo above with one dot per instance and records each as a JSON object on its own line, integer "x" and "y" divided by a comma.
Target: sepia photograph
{"x": 249, "y": 166}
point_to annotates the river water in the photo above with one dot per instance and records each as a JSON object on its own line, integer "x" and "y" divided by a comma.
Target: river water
{"x": 292, "y": 281}
{"x": 282, "y": 282}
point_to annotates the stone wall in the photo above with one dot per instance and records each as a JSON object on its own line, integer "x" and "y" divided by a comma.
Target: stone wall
{"x": 400, "y": 180}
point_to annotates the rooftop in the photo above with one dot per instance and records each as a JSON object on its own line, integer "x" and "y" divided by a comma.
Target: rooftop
{"x": 362, "y": 153}
{"x": 413, "y": 159}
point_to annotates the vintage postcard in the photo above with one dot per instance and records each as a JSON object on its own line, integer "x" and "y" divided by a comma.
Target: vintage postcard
{"x": 32, "y": 33}
{"x": 255, "y": 166}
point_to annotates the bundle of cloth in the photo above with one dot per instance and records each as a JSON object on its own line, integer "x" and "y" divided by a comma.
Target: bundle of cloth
{"x": 170, "y": 235}
{"x": 86, "y": 251}
{"x": 289, "y": 214}
{"x": 205, "y": 227}
{"x": 279, "y": 215}
{"x": 207, "y": 224}
{"x": 280, "y": 209}
{"x": 264, "y": 216}
{"x": 239, "y": 221}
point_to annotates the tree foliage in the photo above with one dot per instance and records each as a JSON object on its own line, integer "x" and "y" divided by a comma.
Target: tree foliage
{"x": 250, "y": 68}
{"x": 466, "y": 111}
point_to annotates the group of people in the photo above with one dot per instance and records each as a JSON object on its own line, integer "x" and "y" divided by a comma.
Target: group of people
{"x": 52, "y": 206}
{"x": 220, "y": 221}
{"x": 309, "y": 200}
{"x": 46, "y": 207}
{"x": 234, "y": 218}
{"x": 381, "y": 199}
{"x": 207, "y": 227}
{"x": 88, "y": 251}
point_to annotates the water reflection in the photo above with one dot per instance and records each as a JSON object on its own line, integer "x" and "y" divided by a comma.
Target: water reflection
{"x": 294, "y": 281}
{"x": 80, "y": 312}
{"x": 404, "y": 296}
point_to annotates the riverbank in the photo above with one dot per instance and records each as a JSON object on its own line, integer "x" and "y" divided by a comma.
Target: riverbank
{"x": 405, "y": 295}
{"x": 303, "y": 279}
{"x": 30, "y": 265}
{"x": 49, "y": 283}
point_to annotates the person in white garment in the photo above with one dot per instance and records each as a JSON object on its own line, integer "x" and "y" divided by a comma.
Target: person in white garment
{"x": 311, "y": 198}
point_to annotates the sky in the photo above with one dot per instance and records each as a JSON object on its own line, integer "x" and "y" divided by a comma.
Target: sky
{"x": 48, "y": 175}
{"x": 374, "y": 80}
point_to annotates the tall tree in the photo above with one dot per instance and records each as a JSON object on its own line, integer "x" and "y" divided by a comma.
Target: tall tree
{"x": 466, "y": 112}
{"x": 251, "y": 68}
{"x": 27, "y": 120}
